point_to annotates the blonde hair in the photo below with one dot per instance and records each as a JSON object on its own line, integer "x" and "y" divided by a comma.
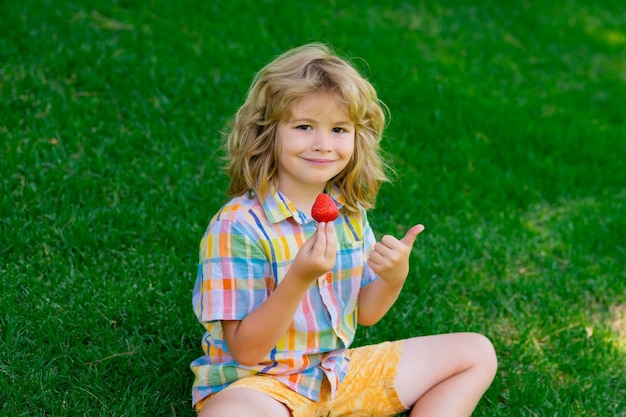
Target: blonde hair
{"x": 252, "y": 152}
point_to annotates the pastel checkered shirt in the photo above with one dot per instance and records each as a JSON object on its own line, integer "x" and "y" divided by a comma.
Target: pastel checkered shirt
{"x": 245, "y": 252}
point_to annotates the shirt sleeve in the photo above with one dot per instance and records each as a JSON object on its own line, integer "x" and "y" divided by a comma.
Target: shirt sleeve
{"x": 233, "y": 273}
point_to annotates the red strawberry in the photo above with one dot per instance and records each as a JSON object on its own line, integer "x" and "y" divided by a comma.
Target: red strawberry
{"x": 324, "y": 209}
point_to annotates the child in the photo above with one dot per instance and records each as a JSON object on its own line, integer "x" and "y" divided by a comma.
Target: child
{"x": 280, "y": 295}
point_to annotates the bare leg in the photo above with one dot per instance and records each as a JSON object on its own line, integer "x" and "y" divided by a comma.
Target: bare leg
{"x": 445, "y": 375}
{"x": 242, "y": 402}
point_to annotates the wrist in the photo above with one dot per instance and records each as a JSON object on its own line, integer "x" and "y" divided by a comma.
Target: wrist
{"x": 298, "y": 280}
{"x": 392, "y": 283}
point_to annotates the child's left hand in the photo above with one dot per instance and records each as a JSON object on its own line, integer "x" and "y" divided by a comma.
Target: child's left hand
{"x": 389, "y": 259}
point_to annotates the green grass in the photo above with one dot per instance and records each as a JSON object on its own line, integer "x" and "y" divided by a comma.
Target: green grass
{"x": 506, "y": 132}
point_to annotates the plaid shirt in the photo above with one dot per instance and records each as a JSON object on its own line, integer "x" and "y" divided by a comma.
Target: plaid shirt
{"x": 245, "y": 252}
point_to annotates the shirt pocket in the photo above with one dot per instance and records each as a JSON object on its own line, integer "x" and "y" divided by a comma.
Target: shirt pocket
{"x": 348, "y": 270}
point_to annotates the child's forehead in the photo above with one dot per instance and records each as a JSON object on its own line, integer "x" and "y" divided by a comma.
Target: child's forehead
{"x": 321, "y": 103}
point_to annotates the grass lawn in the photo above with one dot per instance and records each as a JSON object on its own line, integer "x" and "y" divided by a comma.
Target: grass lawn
{"x": 507, "y": 133}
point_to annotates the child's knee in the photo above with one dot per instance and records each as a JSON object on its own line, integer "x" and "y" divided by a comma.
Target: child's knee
{"x": 485, "y": 353}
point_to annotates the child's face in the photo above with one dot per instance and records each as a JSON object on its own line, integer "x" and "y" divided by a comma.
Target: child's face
{"x": 314, "y": 144}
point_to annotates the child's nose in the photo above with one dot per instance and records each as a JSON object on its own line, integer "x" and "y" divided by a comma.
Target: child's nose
{"x": 322, "y": 141}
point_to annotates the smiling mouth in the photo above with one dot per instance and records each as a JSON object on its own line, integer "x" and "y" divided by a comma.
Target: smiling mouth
{"x": 319, "y": 161}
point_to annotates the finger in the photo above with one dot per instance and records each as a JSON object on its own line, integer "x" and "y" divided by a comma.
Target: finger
{"x": 388, "y": 242}
{"x": 319, "y": 246}
{"x": 388, "y": 251}
{"x": 375, "y": 258}
{"x": 411, "y": 235}
{"x": 331, "y": 240}
{"x": 377, "y": 264}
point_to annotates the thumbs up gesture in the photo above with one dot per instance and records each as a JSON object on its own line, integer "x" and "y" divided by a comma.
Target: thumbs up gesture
{"x": 389, "y": 258}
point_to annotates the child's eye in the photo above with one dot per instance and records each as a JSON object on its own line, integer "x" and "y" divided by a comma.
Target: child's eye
{"x": 303, "y": 127}
{"x": 338, "y": 130}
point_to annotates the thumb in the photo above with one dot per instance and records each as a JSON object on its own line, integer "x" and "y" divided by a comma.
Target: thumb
{"x": 411, "y": 235}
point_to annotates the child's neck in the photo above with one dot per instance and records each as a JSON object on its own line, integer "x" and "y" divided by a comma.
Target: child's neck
{"x": 303, "y": 199}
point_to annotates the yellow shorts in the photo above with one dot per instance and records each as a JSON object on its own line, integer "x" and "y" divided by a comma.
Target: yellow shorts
{"x": 368, "y": 389}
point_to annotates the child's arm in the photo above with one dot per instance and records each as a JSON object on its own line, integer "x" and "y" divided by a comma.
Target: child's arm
{"x": 389, "y": 259}
{"x": 249, "y": 340}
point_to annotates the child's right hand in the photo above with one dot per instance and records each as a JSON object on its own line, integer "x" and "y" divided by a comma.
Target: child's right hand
{"x": 251, "y": 339}
{"x": 318, "y": 254}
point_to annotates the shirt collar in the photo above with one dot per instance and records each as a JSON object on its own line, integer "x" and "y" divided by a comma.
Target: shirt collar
{"x": 278, "y": 207}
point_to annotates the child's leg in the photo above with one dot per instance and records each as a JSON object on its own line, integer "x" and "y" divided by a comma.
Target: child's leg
{"x": 445, "y": 375}
{"x": 245, "y": 403}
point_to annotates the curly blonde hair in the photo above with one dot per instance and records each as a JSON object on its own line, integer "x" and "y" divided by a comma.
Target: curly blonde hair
{"x": 251, "y": 147}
